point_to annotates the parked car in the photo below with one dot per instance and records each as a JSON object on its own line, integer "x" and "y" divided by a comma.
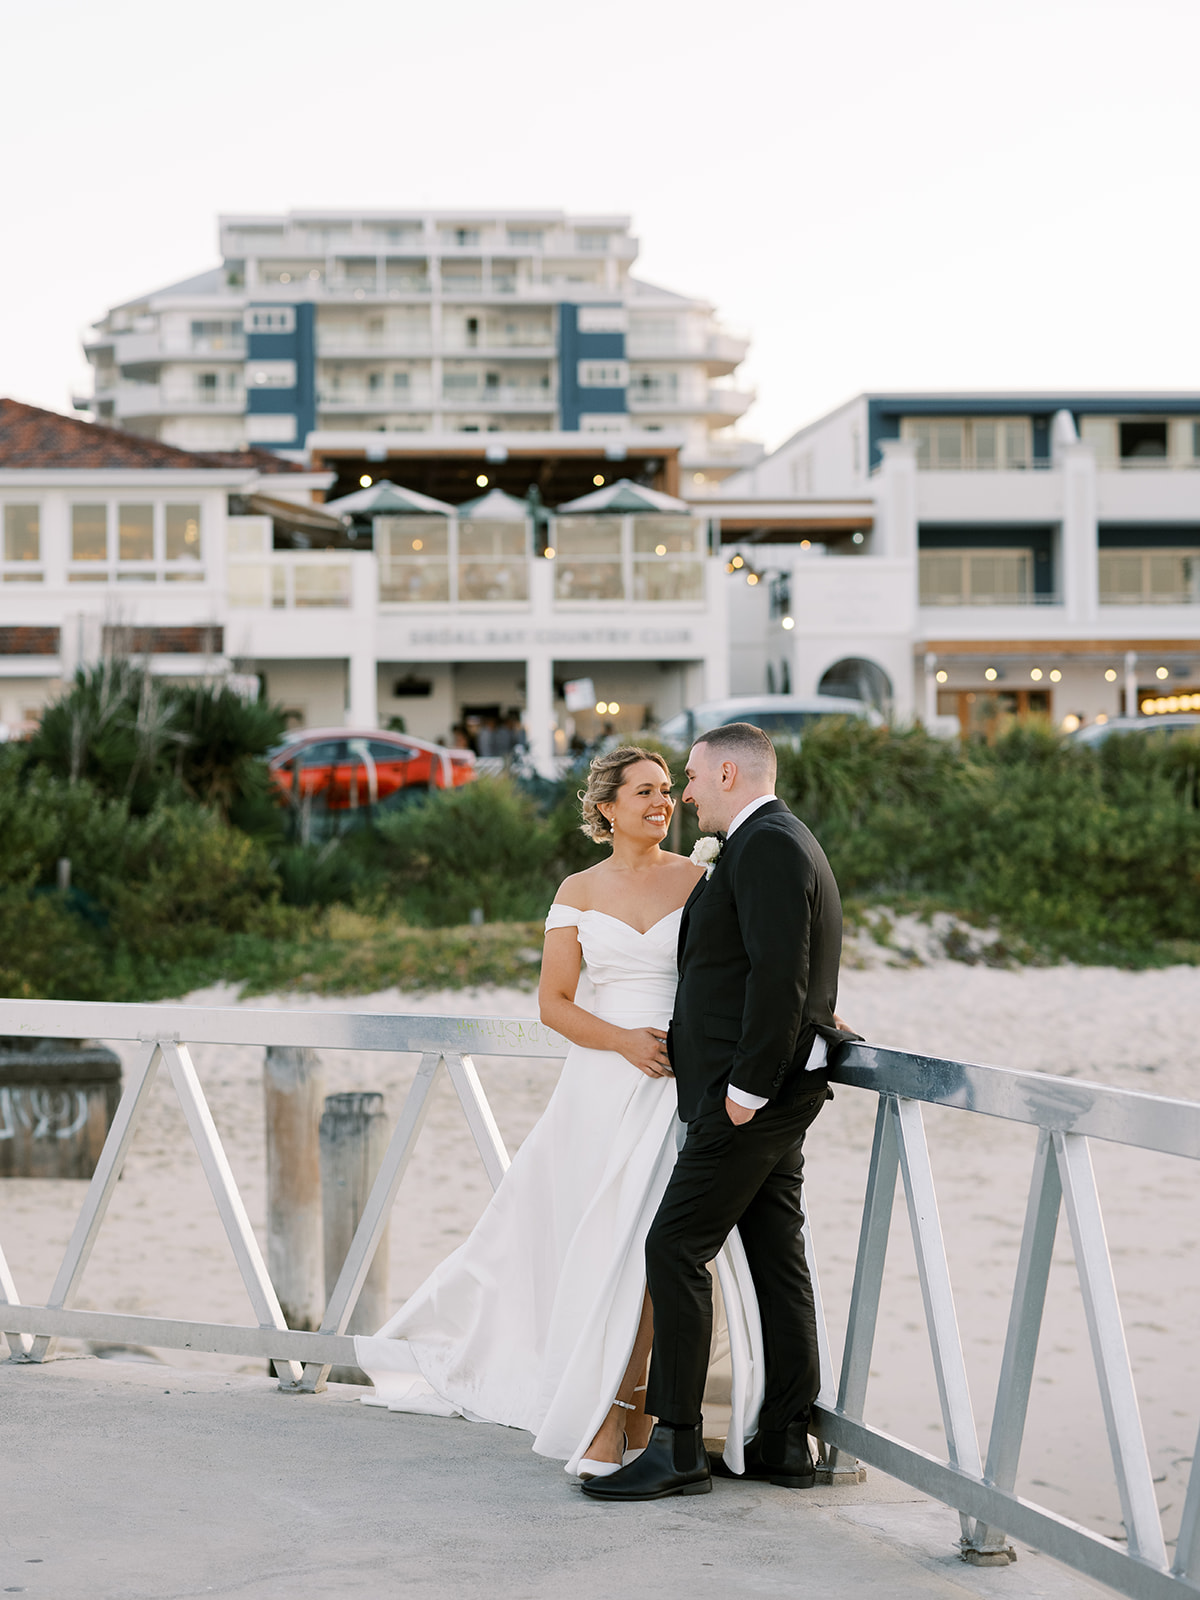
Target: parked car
{"x": 342, "y": 770}
{"x": 1171, "y": 724}
{"x": 782, "y": 716}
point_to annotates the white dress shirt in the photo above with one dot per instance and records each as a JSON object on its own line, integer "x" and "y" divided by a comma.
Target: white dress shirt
{"x": 820, "y": 1050}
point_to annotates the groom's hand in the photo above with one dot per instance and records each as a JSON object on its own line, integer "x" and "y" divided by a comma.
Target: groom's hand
{"x": 737, "y": 1114}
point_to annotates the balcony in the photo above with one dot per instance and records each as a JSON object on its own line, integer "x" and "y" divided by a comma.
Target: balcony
{"x": 358, "y": 397}
{"x": 501, "y": 398}
{"x": 288, "y": 580}
{"x": 535, "y": 344}
{"x": 368, "y": 342}
{"x": 153, "y": 399}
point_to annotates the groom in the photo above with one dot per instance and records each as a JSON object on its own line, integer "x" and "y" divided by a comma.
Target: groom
{"x": 759, "y": 946}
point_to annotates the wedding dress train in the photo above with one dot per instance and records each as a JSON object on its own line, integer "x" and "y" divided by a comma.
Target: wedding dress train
{"x": 531, "y": 1322}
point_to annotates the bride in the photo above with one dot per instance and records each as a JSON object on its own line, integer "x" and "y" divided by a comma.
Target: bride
{"x": 540, "y": 1320}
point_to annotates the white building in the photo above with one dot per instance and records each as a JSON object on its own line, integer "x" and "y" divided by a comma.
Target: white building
{"x": 206, "y": 565}
{"x": 432, "y": 322}
{"x": 977, "y": 556}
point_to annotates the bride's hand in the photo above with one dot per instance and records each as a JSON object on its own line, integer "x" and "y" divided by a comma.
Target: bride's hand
{"x": 646, "y": 1049}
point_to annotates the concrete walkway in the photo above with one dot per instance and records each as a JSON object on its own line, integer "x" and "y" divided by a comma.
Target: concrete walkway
{"x": 142, "y": 1482}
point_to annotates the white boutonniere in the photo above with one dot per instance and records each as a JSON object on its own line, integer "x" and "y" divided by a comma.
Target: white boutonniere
{"x": 706, "y": 853}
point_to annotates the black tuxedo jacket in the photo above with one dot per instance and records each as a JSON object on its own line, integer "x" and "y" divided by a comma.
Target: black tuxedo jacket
{"x": 759, "y": 946}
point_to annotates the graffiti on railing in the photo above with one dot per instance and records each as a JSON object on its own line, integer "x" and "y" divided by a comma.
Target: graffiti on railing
{"x": 499, "y": 1031}
{"x": 42, "y": 1113}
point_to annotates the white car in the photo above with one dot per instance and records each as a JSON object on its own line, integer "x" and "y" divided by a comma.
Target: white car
{"x": 1168, "y": 726}
{"x": 781, "y": 716}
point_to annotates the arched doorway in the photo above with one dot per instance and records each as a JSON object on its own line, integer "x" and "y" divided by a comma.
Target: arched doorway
{"x": 857, "y": 678}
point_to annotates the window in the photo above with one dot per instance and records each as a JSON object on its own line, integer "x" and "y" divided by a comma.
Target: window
{"x": 985, "y": 443}
{"x": 89, "y": 533}
{"x": 462, "y": 238}
{"x": 668, "y": 558}
{"x": 976, "y": 577}
{"x": 1150, "y": 577}
{"x": 271, "y": 319}
{"x": 182, "y": 533}
{"x": 135, "y": 533}
{"x": 525, "y": 238}
{"x": 414, "y": 559}
{"x": 603, "y": 374}
{"x": 594, "y": 243}
{"x": 22, "y": 544}
{"x": 493, "y": 560}
{"x": 588, "y": 565}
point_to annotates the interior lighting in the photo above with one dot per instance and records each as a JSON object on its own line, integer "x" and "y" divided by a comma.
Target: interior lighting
{"x": 315, "y": 273}
{"x": 1101, "y": 717}
{"x": 613, "y": 708}
{"x": 991, "y": 674}
{"x": 788, "y": 623}
{"x": 1110, "y": 675}
{"x": 806, "y": 544}
{"x": 550, "y": 552}
{"x": 660, "y": 549}
{"x": 752, "y": 578}
{"x": 481, "y": 481}
{"x": 737, "y": 562}
{"x": 285, "y": 277}
{"x": 858, "y": 538}
{"x": 598, "y": 480}
{"x": 601, "y": 707}
{"x": 698, "y": 477}
{"x": 943, "y": 676}
{"x": 1069, "y": 723}
{"x": 366, "y": 481}
{"x": 1036, "y": 674}
{"x": 418, "y": 544}
{"x": 1055, "y": 676}
{"x": 1161, "y": 672}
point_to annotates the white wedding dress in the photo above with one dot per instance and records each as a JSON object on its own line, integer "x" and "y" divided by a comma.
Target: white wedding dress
{"x": 531, "y": 1322}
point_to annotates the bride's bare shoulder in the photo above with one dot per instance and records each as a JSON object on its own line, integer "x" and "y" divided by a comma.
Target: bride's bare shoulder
{"x": 576, "y": 891}
{"x": 685, "y": 866}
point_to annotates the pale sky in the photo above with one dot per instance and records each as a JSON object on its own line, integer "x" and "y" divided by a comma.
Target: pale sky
{"x": 934, "y": 194}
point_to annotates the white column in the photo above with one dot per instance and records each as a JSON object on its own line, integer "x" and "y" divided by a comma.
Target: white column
{"x": 363, "y": 711}
{"x": 896, "y": 503}
{"x": 931, "y": 709}
{"x": 1131, "y": 683}
{"x": 716, "y": 632}
{"x": 1079, "y": 582}
{"x": 539, "y": 711}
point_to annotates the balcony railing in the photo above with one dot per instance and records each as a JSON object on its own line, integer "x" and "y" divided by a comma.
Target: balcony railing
{"x": 360, "y": 399}
{"x": 364, "y": 342}
{"x": 978, "y": 1479}
{"x": 287, "y": 580}
{"x": 505, "y": 399}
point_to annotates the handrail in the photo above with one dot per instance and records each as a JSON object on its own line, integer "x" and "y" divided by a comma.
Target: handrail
{"x": 1067, "y": 1113}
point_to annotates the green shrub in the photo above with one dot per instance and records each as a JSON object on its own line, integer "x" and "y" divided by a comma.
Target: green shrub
{"x": 479, "y": 846}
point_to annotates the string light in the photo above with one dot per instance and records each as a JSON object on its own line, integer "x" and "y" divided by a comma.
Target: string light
{"x": 481, "y": 481}
{"x": 943, "y": 676}
{"x": 418, "y": 544}
{"x": 660, "y": 549}
{"x": 1055, "y": 676}
{"x": 1036, "y": 674}
{"x": 366, "y": 481}
{"x": 1161, "y": 672}
{"x": 1110, "y": 675}
{"x": 598, "y": 480}
{"x": 737, "y": 562}
{"x": 991, "y": 674}
{"x": 788, "y": 623}
{"x": 752, "y": 578}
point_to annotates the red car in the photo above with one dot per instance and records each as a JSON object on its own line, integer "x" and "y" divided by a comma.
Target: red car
{"x": 342, "y": 770}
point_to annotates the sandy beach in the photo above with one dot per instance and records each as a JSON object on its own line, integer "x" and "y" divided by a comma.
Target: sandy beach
{"x": 162, "y": 1252}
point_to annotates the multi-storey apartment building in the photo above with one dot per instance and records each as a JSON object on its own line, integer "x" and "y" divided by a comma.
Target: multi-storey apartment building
{"x": 430, "y": 322}
{"x": 971, "y": 557}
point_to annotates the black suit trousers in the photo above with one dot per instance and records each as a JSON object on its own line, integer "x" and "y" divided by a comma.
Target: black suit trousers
{"x": 727, "y": 1177}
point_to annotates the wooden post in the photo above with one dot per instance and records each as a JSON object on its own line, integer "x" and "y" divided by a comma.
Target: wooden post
{"x": 354, "y": 1139}
{"x": 293, "y": 1082}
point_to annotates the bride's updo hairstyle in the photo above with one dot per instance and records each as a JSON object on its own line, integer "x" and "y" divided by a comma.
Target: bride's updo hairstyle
{"x": 605, "y": 777}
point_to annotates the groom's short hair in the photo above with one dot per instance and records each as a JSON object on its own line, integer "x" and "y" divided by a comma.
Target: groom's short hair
{"x": 744, "y": 744}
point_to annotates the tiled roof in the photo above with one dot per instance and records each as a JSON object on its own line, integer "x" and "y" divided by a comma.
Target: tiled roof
{"x": 33, "y": 438}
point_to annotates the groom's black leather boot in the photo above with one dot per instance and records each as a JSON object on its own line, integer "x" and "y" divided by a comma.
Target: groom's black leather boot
{"x": 674, "y": 1462}
{"x": 782, "y": 1457}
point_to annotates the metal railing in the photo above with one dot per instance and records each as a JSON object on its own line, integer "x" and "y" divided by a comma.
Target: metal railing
{"x": 1068, "y": 1114}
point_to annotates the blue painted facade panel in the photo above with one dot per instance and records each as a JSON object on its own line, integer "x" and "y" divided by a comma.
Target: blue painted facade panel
{"x": 575, "y": 346}
{"x": 298, "y": 346}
